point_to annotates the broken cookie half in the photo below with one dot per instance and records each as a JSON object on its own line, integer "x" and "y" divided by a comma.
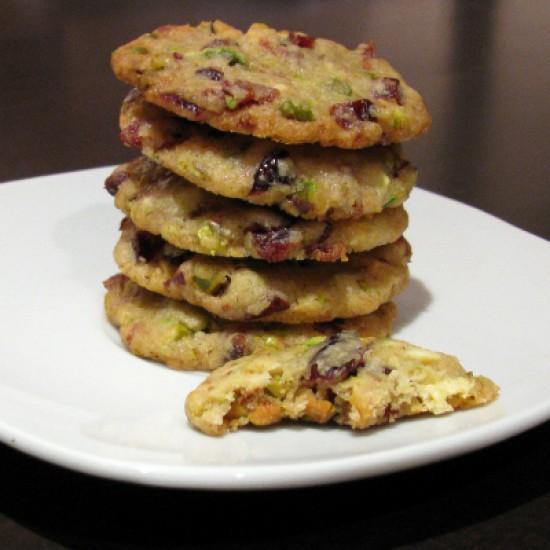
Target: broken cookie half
{"x": 360, "y": 382}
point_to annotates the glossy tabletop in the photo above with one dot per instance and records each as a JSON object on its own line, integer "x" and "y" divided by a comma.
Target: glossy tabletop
{"x": 483, "y": 70}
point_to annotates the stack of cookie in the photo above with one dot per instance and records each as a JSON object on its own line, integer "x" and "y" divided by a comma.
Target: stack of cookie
{"x": 266, "y": 209}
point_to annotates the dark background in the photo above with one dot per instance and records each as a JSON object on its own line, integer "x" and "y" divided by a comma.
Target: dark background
{"x": 483, "y": 68}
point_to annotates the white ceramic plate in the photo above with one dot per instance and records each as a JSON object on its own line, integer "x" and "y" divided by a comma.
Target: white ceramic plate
{"x": 70, "y": 393}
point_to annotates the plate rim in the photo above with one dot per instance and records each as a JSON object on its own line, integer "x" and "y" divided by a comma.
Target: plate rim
{"x": 308, "y": 473}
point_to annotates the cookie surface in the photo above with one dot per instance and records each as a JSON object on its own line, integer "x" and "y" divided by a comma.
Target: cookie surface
{"x": 251, "y": 290}
{"x": 352, "y": 381}
{"x": 285, "y": 86}
{"x": 192, "y": 219}
{"x": 302, "y": 180}
{"x": 186, "y": 337}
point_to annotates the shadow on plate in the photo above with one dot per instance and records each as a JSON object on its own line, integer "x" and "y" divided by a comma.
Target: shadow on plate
{"x": 88, "y": 237}
{"x": 412, "y": 303}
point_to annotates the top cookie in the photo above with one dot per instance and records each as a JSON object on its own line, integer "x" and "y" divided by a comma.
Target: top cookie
{"x": 287, "y": 86}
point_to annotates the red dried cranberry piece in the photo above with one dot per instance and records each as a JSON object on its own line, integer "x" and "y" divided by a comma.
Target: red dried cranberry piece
{"x": 302, "y": 40}
{"x": 277, "y": 304}
{"x": 177, "y": 55}
{"x": 240, "y": 92}
{"x": 361, "y": 108}
{"x": 211, "y": 73}
{"x": 272, "y": 243}
{"x": 390, "y": 413}
{"x": 343, "y": 114}
{"x": 177, "y": 279}
{"x": 347, "y": 114}
{"x": 130, "y": 135}
{"x": 302, "y": 206}
{"x": 268, "y": 173}
{"x": 390, "y": 90}
{"x": 182, "y": 104}
{"x": 112, "y": 183}
{"x": 337, "y": 359}
{"x": 239, "y": 347}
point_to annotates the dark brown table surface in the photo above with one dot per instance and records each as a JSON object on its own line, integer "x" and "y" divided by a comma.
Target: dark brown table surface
{"x": 483, "y": 69}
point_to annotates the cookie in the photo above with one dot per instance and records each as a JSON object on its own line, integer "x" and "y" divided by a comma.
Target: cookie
{"x": 306, "y": 181}
{"x": 282, "y": 85}
{"x": 192, "y": 219}
{"x": 250, "y": 290}
{"x": 186, "y": 337}
{"x": 358, "y": 382}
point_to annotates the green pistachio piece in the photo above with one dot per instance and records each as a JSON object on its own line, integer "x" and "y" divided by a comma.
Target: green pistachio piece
{"x": 159, "y": 62}
{"x": 391, "y": 200}
{"x": 202, "y": 283}
{"x": 298, "y": 111}
{"x": 141, "y": 50}
{"x": 206, "y": 232}
{"x": 271, "y": 341}
{"x": 314, "y": 340}
{"x": 232, "y": 55}
{"x": 306, "y": 189}
{"x": 363, "y": 285}
{"x": 210, "y": 237}
{"x": 181, "y": 330}
{"x": 230, "y": 102}
{"x": 340, "y": 86}
{"x": 276, "y": 387}
{"x": 399, "y": 118}
{"x": 322, "y": 299}
{"x": 212, "y": 284}
{"x": 190, "y": 168}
